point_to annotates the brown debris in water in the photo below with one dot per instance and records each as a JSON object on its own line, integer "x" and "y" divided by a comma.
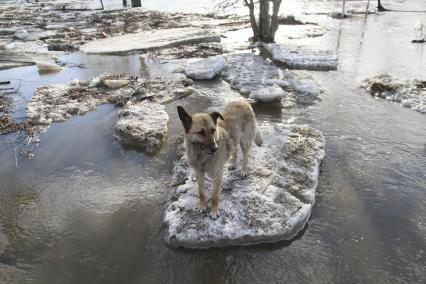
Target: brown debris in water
{"x": 202, "y": 50}
{"x": 379, "y": 87}
{"x": 8, "y": 125}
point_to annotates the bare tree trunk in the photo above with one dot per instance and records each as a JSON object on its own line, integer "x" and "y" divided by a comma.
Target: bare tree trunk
{"x": 253, "y": 23}
{"x": 102, "y": 4}
{"x": 136, "y": 3}
{"x": 274, "y": 20}
{"x": 380, "y": 8}
{"x": 124, "y": 3}
{"x": 265, "y": 22}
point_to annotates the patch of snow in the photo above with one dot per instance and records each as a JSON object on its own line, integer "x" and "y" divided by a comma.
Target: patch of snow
{"x": 272, "y": 204}
{"x": 409, "y": 93}
{"x": 149, "y": 40}
{"x": 205, "y": 69}
{"x": 142, "y": 125}
{"x": 301, "y": 57}
{"x": 268, "y": 94}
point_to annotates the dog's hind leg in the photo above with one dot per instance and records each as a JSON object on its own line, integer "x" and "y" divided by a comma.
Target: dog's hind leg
{"x": 201, "y": 193}
{"x": 245, "y": 147}
{"x": 235, "y": 140}
{"x": 233, "y": 156}
{"x": 217, "y": 186}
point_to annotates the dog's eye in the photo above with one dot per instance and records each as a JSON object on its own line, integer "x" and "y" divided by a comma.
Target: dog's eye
{"x": 201, "y": 132}
{"x": 212, "y": 130}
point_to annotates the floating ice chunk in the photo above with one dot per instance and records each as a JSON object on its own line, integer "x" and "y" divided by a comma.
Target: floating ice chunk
{"x": 247, "y": 72}
{"x": 279, "y": 82}
{"x": 115, "y": 84}
{"x": 142, "y": 125}
{"x": 268, "y": 94}
{"x": 273, "y": 203}
{"x": 205, "y": 69}
{"x": 47, "y": 67}
{"x": 302, "y": 58}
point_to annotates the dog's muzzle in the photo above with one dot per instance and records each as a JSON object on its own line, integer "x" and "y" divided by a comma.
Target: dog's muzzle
{"x": 211, "y": 149}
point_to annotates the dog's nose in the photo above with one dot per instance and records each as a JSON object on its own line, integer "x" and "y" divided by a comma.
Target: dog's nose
{"x": 212, "y": 150}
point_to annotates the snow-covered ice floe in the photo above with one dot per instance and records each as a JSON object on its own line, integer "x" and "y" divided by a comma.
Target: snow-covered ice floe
{"x": 149, "y": 40}
{"x": 250, "y": 73}
{"x": 409, "y": 93}
{"x": 272, "y": 204}
{"x": 268, "y": 94}
{"x": 205, "y": 69}
{"x": 142, "y": 125}
{"x": 297, "y": 57}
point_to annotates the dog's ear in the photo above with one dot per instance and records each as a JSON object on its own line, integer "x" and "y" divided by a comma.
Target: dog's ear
{"x": 185, "y": 118}
{"x": 215, "y": 116}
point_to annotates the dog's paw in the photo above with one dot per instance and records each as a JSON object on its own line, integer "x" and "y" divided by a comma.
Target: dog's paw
{"x": 231, "y": 167}
{"x": 243, "y": 174}
{"x": 202, "y": 209}
{"x": 214, "y": 214}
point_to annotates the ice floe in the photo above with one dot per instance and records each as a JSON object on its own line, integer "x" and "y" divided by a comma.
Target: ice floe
{"x": 205, "y": 69}
{"x": 296, "y": 57}
{"x": 268, "y": 94}
{"x": 247, "y": 73}
{"x": 149, "y": 40}
{"x": 272, "y": 204}
{"x": 47, "y": 67}
{"x": 142, "y": 125}
{"x": 409, "y": 93}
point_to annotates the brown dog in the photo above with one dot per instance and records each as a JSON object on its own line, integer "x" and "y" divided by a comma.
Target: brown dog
{"x": 211, "y": 138}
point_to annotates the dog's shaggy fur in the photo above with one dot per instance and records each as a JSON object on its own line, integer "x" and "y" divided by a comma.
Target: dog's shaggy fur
{"x": 210, "y": 140}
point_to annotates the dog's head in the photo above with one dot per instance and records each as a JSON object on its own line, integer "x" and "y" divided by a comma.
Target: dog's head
{"x": 200, "y": 129}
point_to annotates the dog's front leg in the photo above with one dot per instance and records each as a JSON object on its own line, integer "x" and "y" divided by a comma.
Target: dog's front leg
{"x": 200, "y": 181}
{"x": 217, "y": 187}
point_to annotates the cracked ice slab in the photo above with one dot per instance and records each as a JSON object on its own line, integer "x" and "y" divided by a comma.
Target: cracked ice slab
{"x": 272, "y": 204}
{"x": 205, "y": 69}
{"x": 268, "y": 94}
{"x": 142, "y": 125}
{"x": 296, "y": 57}
{"x": 149, "y": 40}
{"x": 250, "y": 73}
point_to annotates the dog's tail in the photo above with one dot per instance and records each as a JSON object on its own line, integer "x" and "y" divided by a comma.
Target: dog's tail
{"x": 258, "y": 138}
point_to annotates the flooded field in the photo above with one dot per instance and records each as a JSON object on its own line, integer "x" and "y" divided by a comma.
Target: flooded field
{"x": 86, "y": 210}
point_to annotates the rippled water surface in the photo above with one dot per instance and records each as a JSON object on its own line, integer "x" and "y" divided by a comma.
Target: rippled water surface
{"x": 86, "y": 210}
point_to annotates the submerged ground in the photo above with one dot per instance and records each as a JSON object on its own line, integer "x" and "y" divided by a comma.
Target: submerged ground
{"x": 86, "y": 210}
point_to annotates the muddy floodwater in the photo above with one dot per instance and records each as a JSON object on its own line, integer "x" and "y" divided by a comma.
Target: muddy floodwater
{"x": 86, "y": 210}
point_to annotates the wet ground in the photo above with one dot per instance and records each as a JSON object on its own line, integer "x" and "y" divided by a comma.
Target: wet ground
{"x": 86, "y": 210}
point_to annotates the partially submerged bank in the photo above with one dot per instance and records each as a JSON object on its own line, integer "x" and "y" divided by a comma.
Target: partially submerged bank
{"x": 272, "y": 204}
{"x": 409, "y": 93}
{"x": 142, "y": 124}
